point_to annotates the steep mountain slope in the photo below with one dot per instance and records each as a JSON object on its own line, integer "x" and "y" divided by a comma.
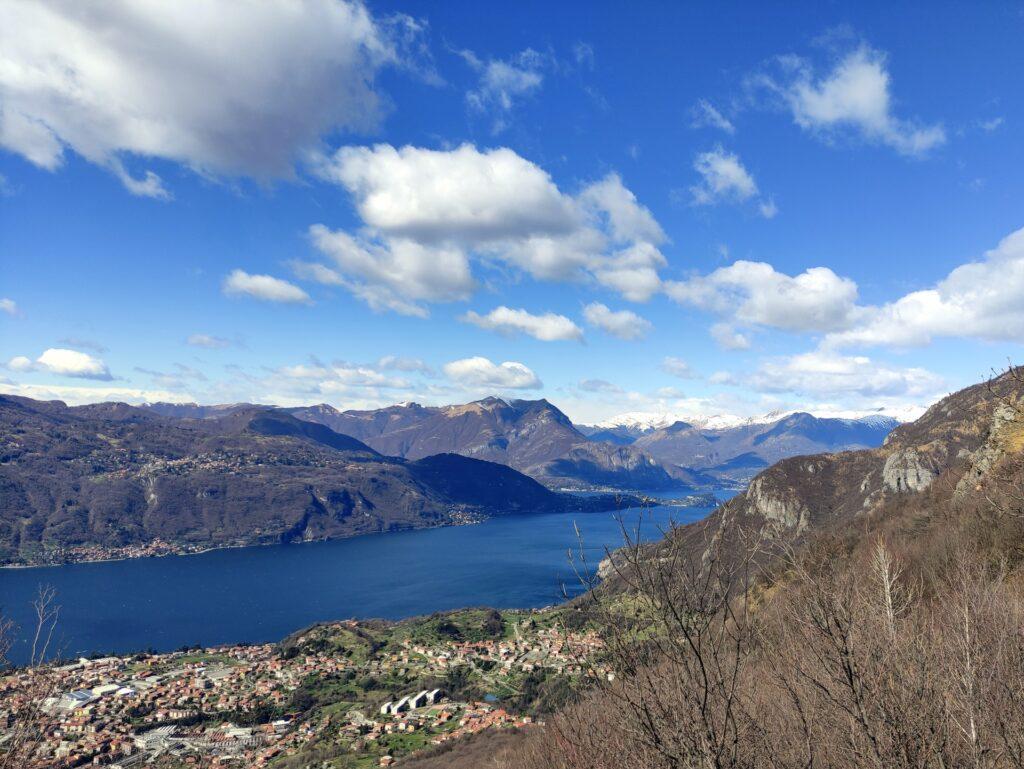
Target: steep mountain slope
{"x": 963, "y": 444}
{"x": 534, "y": 437}
{"x": 116, "y": 475}
{"x": 737, "y": 453}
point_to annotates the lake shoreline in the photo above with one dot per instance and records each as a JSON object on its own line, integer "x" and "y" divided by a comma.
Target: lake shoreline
{"x": 261, "y": 593}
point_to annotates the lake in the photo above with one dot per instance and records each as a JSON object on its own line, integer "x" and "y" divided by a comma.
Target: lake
{"x": 260, "y": 594}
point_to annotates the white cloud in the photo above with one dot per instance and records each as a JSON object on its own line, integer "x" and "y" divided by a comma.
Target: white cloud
{"x": 623, "y": 324}
{"x": 480, "y": 372}
{"x": 264, "y": 287}
{"x": 9, "y": 306}
{"x": 854, "y": 95}
{"x": 433, "y": 195}
{"x": 723, "y": 177}
{"x": 208, "y": 341}
{"x": 69, "y": 363}
{"x": 979, "y": 300}
{"x": 629, "y": 221}
{"x": 679, "y": 368}
{"x": 227, "y": 89}
{"x": 340, "y": 374}
{"x": 705, "y": 115}
{"x": 502, "y": 83}
{"x": 825, "y": 373}
{"x": 428, "y": 214}
{"x": 729, "y": 338}
{"x": 81, "y": 395}
{"x": 548, "y": 327}
{"x": 755, "y": 293}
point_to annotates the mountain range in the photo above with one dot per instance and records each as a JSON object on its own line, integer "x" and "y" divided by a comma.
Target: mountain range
{"x": 112, "y": 475}
{"x": 539, "y": 440}
{"x": 736, "y": 453}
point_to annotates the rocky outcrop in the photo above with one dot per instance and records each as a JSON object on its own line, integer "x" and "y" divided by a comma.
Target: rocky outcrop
{"x": 962, "y": 438}
{"x": 904, "y": 471}
{"x": 786, "y": 511}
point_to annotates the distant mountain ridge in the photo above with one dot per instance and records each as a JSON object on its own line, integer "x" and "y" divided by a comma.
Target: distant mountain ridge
{"x": 534, "y": 437}
{"x": 114, "y": 475}
{"x": 638, "y": 450}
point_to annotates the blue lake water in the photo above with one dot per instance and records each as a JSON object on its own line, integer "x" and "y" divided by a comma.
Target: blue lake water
{"x": 259, "y": 594}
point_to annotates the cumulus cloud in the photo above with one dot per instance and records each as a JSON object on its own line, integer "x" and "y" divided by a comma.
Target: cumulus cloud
{"x": 548, "y": 327}
{"x": 822, "y": 373}
{"x": 480, "y": 372}
{"x": 226, "y": 89}
{"x": 729, "y": 338}
{"x": 724, "y": 179}
{"x": 979, "y": 300}
{"x": 428, "y": 214}
{"x": 329, "y": 378}
{"x": 755, "y": 293}
{"x": 503, "y": 82}
{"x": 264, "y": 287}
{"x": 8, "y": 306}
{"x": 855, "y": 96}
{"x": 679, "y": 368}
{"x": 623, "y": 324}
{"x": 705, "y": 115}
{"x": 70, "y": 363}
{"x": 208, "y": 341}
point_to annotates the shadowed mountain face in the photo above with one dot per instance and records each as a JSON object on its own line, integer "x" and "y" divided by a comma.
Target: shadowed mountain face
{"x": 116, "y": 475}
{"x": 534, "y": 437}
{"x": 737, "y": 453}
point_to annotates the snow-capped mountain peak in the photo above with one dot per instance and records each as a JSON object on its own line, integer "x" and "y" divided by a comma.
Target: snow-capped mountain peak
{"x": 648, "y": 421}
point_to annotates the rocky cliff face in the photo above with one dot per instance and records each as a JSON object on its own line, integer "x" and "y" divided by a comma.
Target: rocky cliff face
{"x": 959, "y": 439}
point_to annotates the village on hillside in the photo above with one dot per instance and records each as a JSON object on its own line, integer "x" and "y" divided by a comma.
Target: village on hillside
{"x": 349, "y": 693}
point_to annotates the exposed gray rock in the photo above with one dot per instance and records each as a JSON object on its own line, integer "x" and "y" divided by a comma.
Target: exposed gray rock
{"x": 775, "y": 506}
{"x": 904, "y": 471}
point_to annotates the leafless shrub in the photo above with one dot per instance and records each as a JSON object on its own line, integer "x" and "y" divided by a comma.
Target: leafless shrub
{"x": 25, "y": 716}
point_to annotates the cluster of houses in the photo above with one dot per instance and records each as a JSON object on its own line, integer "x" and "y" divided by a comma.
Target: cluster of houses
{"x": 412, "y": 702}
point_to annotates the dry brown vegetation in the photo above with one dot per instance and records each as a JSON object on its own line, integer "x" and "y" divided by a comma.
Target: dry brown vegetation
{"x": 26, "y": 718}
{"x": 893, "y": 639}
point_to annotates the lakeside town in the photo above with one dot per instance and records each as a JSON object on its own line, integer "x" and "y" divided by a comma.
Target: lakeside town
{"x": 57, "y": 555}
{"x": 350, "y": 693}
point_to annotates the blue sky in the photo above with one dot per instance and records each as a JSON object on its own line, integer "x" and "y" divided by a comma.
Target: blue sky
{"x": 692, "y": 208}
